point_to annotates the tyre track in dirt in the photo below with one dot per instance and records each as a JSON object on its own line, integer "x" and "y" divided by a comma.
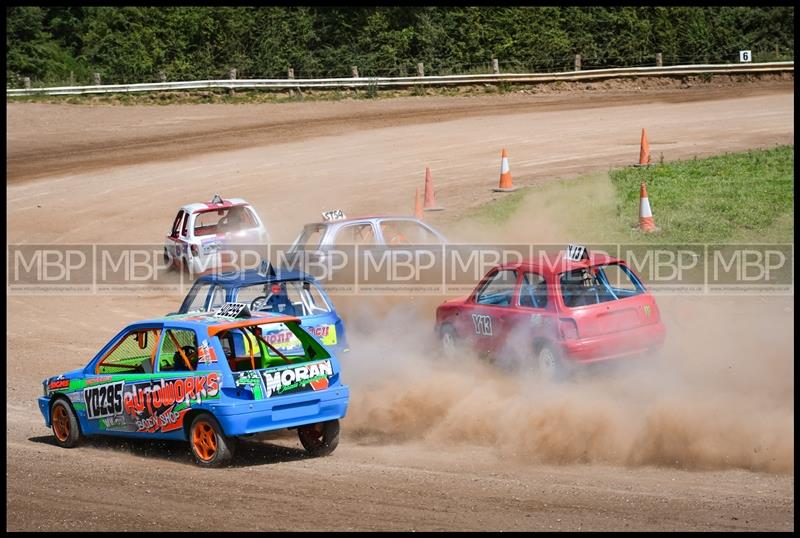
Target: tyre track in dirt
{"x": 209, "y": 128}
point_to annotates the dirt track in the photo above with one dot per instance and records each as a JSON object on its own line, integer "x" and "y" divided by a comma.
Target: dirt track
{"x": 393, "y": 470}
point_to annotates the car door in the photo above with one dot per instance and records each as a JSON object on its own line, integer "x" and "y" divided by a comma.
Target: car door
{"x": 533, "y": 314}
{"x": 109, "y": 380}
{"x": 490, "y": 310}
{"x": 173, "y": 243}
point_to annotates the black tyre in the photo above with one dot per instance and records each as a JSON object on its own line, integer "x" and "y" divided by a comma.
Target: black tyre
{"x": 65, "y": 424}
{"x": 550, "y": 364}
{"x": 209, "y": 445}
{"x": 449, "y": 340}
{"x": 319, "y": 439}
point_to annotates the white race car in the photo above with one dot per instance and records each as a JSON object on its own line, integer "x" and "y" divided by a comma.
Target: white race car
{"x": 202, "y": 230}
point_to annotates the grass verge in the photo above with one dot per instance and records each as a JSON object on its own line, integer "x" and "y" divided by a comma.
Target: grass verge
{"x": 746, "y": 196}
{"x": 735, "y": 197}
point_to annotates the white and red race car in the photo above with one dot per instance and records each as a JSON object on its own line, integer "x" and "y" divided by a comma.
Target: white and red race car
{"x": 202, "y": 230}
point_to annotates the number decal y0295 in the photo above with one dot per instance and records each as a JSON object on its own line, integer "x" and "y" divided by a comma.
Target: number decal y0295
{"x": 103, "y": 400}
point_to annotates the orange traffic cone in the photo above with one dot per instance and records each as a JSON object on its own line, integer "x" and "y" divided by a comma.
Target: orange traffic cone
{"x": 505, "y": 175}
{"x": 644, "y": 151}
{"x": 430, "y": 199}
{"x": 646, "y": 223}
{"x": 417, "y": 205}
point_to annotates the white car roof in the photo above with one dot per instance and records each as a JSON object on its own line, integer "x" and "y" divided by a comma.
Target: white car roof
{"x": 203, "y": 206}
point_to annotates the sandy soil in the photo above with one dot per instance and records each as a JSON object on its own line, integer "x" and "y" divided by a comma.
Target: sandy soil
{"x": 703, "y": 442}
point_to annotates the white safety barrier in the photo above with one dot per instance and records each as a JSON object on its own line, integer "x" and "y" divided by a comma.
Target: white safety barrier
{"x": 388, "y": 82}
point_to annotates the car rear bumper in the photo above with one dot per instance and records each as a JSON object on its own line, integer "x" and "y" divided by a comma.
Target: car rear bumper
{"x": 254, "y": 416}
{"x": 616, "y": 345}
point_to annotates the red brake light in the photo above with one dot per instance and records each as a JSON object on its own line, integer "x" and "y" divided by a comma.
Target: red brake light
{"x": 276, "y": 289}
{"x": 568, "y": 328}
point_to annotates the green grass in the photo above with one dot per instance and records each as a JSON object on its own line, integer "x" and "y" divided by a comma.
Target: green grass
{"x": 736, "y": 197}
{"x": 733, "y": 197}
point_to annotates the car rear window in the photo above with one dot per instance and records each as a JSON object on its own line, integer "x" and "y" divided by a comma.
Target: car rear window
{"x": 265, "y": 346}
{"x": 598, "y": 284}
{"x": 216, "y": 221}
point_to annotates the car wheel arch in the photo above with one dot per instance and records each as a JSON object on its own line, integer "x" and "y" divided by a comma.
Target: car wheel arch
{"x": 189, "y": 417}
{"x": 63, "y": 397}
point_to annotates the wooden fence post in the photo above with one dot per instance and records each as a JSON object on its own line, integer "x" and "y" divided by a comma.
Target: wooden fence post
{"x": 97, "y": 79}
{"x": 577, "y": 62}
{"x": 232, "y": 76}
{"x": 659, "y": 60}
{"x": 71, "y": 78}
{"x": 355, "y": 71}
{"x": 162, "y": 76}
{"x": 495, "y": 66}
{"x": 420, "y": 69}
{"x": 27, "y": 82}
{"x": 290, "y": 76}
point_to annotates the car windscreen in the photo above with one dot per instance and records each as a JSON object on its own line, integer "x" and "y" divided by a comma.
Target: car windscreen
{"x": 598, "y": 284}
{"x": 288, "y": 297}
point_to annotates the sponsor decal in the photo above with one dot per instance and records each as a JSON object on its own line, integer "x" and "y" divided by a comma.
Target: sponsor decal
{"x": 206, "y": 353}
{"x": 148, "y": 407}
{"x": 117, "y": 422}
{"x": 58, "y": 384}
{"x": 483, "y": 324}
{"x": 167, "y": 421}
{"x": 151, "y": 398}
{"x": 101, "y": 379}
{"x": 103, "y": 400}
{"x": 288, "y": 379}
{"x": 250, "y": 380}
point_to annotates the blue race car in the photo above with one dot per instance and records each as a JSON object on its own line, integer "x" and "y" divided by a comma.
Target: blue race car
{"x": 206, "y": 378}
{"x": 292, "y": 293}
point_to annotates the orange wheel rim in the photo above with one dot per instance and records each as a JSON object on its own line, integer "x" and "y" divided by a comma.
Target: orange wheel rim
{"x": 204, "y": 440}
{"x": 60, "y": 423}
{"x": 313, "y": 432}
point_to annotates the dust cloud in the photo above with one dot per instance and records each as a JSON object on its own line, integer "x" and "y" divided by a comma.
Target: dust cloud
{"x": 720, "y": 395}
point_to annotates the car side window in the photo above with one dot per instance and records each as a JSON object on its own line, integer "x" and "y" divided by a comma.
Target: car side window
{"x": 134, "y": 353}
{"x": 499, "y": 290}
{"x": 407, "y": 232}
{"x": 355, "y": 234}
{"x": 178, "y": 351}
{"x": 533, "y": 291}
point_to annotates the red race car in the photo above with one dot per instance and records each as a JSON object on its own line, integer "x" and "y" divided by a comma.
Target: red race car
{"x": 564, "y": 309}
